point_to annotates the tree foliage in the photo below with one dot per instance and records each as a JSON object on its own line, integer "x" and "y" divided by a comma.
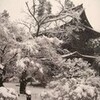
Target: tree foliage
{"x": 40, "y": 51}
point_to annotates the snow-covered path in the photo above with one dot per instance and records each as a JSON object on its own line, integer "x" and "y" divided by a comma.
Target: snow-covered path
{"x": 34, "y": 90}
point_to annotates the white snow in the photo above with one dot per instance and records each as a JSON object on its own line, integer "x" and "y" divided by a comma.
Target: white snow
{"x": 8, "y": 93}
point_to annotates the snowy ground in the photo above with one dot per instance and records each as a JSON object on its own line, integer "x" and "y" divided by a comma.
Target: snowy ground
{"x": 34, "y": 90}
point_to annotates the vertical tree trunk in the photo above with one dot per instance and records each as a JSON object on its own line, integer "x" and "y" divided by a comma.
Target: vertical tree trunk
{"x": 1, "y": 78}
{"x": 23, "y": 82}
{"x": 38, "y": 29}
{"x": 1, "y": 81}
{"x": 23, "y": 87}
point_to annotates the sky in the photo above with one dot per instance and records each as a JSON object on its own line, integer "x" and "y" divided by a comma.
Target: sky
{"x": 16, "y": 8}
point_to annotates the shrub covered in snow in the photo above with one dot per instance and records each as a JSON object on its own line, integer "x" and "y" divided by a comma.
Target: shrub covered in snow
{"x": 8, "y": 93}
{"x": 71, "y": 89}
{"x": 40, "y": 53}
{"x": 77, "y": 67}
{"x": 73, "y": 82}
{"x": 84, "y": 92}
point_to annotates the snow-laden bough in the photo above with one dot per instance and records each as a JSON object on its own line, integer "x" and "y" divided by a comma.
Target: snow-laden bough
{"x": 8, "y": 94}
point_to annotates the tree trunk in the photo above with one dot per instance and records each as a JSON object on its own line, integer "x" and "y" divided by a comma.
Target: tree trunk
{"x": 38, "y": 29}
{"x": 23, "y": 87}
{"x": 23, "y": 82}
{"x": 1, "y": 78}
{"x": 1, "y": 81}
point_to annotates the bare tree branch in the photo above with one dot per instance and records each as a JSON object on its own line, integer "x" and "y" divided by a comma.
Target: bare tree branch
{"x": 34, "y": 6}
{"x": 57, "y": 18}
{"x": 2, "y": 53}
{"x": 45, "y": 18}
{"x": 37, "y": 22}
{"x": 45, "y": 27}
{"x": 24, "y": 25}
{"x": 3, "y": 50}
{"x": 62, "y": 6}
{"x": 31, "y": 13}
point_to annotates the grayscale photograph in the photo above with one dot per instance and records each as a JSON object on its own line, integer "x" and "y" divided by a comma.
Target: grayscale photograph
{"x": 49, "y": 49}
